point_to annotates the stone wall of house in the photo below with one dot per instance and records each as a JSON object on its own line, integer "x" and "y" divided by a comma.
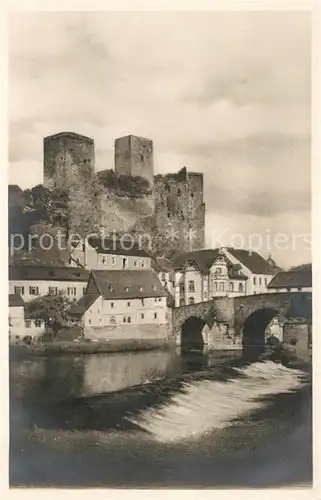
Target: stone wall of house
{"x": 160, "y": 333}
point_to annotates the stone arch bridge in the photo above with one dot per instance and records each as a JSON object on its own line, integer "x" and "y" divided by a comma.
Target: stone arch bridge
{"x": 227, "y": 321}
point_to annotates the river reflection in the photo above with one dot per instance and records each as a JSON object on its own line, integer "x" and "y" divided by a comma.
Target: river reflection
{"x": 60, "y": 377}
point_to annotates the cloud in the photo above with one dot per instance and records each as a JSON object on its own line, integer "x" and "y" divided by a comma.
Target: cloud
{"x": 223, "y": 93}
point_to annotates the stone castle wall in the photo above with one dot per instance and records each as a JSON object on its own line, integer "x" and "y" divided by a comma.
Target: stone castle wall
{"x": 179, "y": 208}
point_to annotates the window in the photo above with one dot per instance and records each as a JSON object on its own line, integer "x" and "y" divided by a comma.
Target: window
{"x": 135, "y": 263}
{"x": 215, "y": 286}
{"x": 128, "y": 319}
{"x": 191, "y": 300}
{"x": 163, "y": 277}
{"x": 155, "y": 315}
{"x": 221, "y": 286}
{"x": 265, "y": 281}
{"x": 182, "y": 288}
{"x": 191, "y": 286}
{"x": 19, "y": 290}
{"x": 124, "y": 319}
{"x": 112, "y": 320}
{"x": 241, "y": 287}
{"x": 182, "y": 302}
{"x": 103, "y": 260}
{"x": 33, "y": 290}
{"x": 254, "y": 280}
{"x": 113, "y": 260}
{"x": 126, "y": 288}
{"x": 128, "y": 304}
{"x": 112, "y": 305}
{"x": 142, "y": 316}
{"x": 89, "y": 321}
{"x": 72, "y": 290}
{"x": 111, "y": 288}
{"x": 260, "y": 280}
{"x": 192, "y": 195}
{"x": 299, "y": 289}
{"x": 28, "y": 323}
{"x": 141, "y": 289}
{"x": 141, "y": 157}
{"x": 178, "y": 192}
{"x": 231, "y": 287}
{"x": 143, "y": 303}
{"x": 154, "y": 288}
{"x": 142, "y": 263}
{"x": 124, "y": 263}
{"x": 218, "y": 270}
{"x": 38, "y": 323}
{"x": 84, "y": 290}
{"x": 53, "y": 290}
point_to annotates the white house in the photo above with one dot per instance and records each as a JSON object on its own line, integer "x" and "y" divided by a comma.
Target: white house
{"x": 297, "y": 280}
{"x": 16, "y": 317}
{"x": 258, "y": 270}
{"x": 121, "y": 303}
{"x": 20, "y": 325}
{"x": 205, "y": 274}
{"x": 33, "y": 281}
{"x": 108, "y": 253}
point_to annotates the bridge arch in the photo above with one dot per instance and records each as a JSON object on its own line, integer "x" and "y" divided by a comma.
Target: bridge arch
{"x": 193, "y": 334}
{"x": 254, "y": 331}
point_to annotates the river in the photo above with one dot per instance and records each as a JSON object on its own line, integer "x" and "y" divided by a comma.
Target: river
{"x": 146, "y": 418}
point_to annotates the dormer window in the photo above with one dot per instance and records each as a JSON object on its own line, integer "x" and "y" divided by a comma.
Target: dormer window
{"x": 111, "y": 289}
{"x": 141, "y": 289}
{"x": 154, "y": 288}
{"x": 126, "y": 288}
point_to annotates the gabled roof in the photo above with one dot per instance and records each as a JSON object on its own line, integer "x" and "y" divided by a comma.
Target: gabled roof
{"x": 120, "y": 246}
{"x": 15, "y": 300}
{"x": 253, "y": 261}
{"x": 128, "y": 284}
{"x": 292, "y": 279}
{"x": 83, "y": 304}
{"x": 44, "y": 273}
{"x": 202, "y": 258}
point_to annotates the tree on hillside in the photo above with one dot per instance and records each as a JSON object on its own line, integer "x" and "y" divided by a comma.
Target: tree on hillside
{"x": 39, "y": 200}
{"x": 52, "y": 309}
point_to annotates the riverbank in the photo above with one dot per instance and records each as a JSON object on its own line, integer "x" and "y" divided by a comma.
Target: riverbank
{"x": 58, "y": 347}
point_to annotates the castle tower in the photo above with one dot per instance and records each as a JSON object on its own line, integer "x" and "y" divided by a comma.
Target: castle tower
{"x": 134, "y": 156}
{"x": 69, "y": 164}
{"x": 69, "y": 158}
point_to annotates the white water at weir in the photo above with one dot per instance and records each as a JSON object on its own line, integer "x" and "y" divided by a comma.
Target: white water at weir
{"x": 206, "y": 405}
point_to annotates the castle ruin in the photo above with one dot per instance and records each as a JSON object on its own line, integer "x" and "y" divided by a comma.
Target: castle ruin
{"x": 124, "y": 198}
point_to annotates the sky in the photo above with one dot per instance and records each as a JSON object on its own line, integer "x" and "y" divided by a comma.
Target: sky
{"x": 223, "y": 93}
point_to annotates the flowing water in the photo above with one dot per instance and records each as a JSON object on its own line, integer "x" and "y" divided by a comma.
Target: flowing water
{"x": 147, "y": 417}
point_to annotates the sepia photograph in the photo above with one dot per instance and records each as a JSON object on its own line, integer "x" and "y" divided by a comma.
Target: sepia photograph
{"x": 159, "y": 249}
